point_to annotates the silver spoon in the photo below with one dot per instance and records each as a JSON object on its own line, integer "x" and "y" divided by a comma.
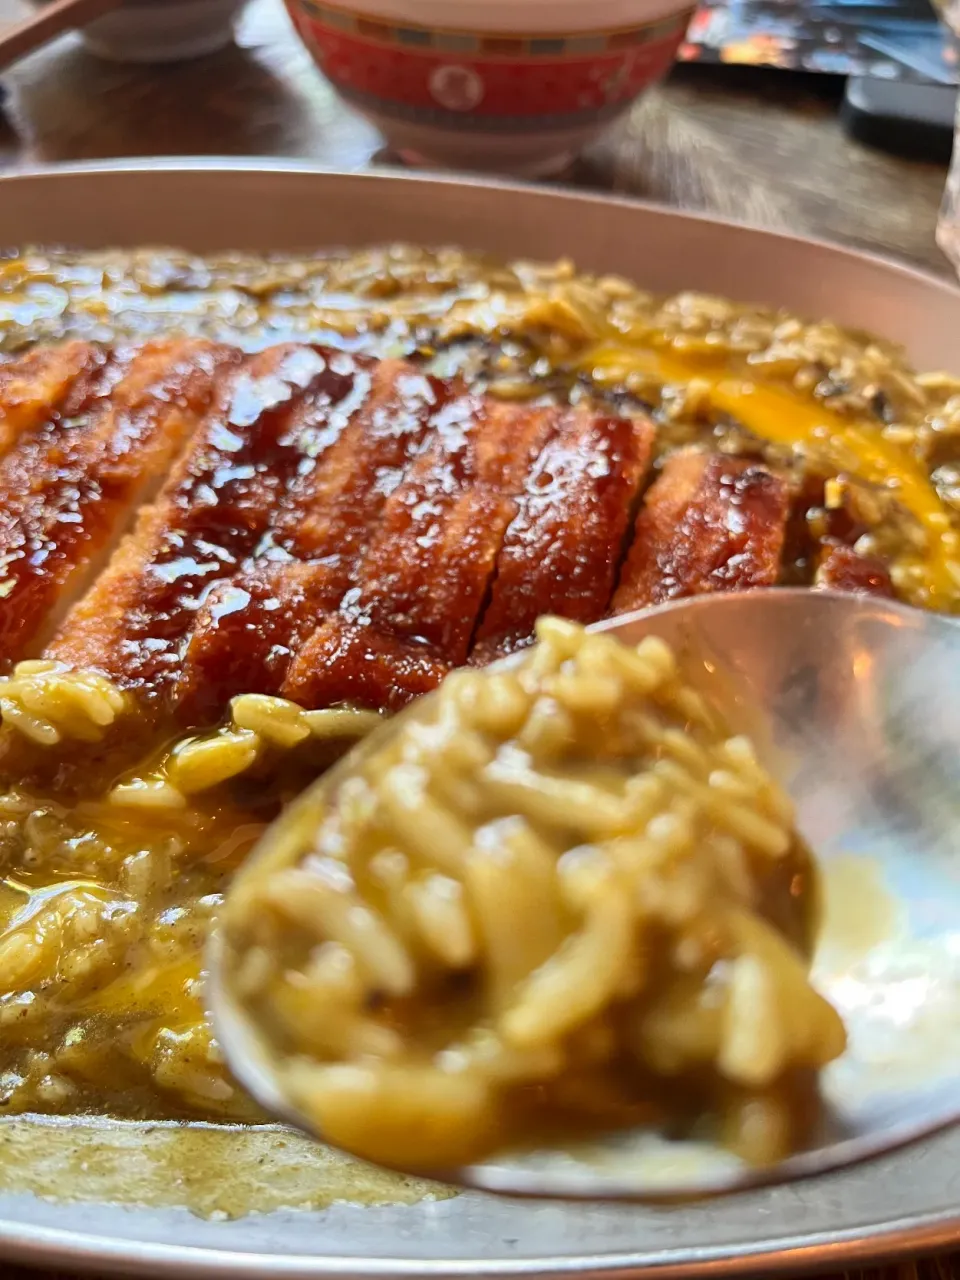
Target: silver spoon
{"x": 855, "y": 704}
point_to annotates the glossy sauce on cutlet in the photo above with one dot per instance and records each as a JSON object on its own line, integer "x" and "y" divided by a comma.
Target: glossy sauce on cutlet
{"x": 33, "y": 387}
{"x": 224, "y": 500}
{"x": 44, "y": 486}
{"x": 248, "y": 629}
{"x": 331, "y": 509}
{"x": 272, "y": 416}
{"x": 359, "y": 664}
{"x": 562, "y": 551}
{"x": 70, "y": 486}
{"x": 421, "y": 585}
{"x": 247, "y": 632}
{"x": 709, "y": 523}
{"x": 426, "y": 574}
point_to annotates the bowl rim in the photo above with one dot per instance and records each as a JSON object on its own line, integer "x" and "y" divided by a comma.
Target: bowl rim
{"x": 542, "y": 18}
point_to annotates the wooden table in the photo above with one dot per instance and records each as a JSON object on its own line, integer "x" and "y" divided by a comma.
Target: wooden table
{"x": 766, "y": 150}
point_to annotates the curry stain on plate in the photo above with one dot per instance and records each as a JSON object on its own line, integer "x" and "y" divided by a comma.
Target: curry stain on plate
{"x": 215, "y": 1171}
{"x": 860, "y": 912}
{"x": 897, "y": 989}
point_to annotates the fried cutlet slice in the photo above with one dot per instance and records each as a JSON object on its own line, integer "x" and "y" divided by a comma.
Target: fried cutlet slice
{"x": 709, "y": 523}
{"x": 843, "y": 569}
{"x": 360, "y": 665}
{"x": 330, "y": 507}
{"x": 34, "y": 387}
{"x": 69, "y": 487}
{"x": 423, "y": 582}
{"x": 216, "y": 506}
{"x": 248, "y": 631}
{"x": 562, "y": 551}
{"x": 248, "y": 628}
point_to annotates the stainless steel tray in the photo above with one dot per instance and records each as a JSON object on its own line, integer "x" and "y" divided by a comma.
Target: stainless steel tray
{"x": 909, "y": 1201}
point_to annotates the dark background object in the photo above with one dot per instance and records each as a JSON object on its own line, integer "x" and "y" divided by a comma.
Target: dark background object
{"x": 910, "y": 119}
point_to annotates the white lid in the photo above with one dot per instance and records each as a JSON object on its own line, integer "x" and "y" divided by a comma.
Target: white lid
{"x": 164, "y": 32}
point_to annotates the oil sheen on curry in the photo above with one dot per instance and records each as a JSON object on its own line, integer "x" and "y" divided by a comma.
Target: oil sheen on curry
{"x": 250, "y": 506}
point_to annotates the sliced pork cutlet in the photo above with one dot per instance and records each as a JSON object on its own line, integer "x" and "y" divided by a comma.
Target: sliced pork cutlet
{"x": 214, "y": 509}
{"x": 563, "y": 549}
{"x": 35, "y": 386}
{"x": 709, "y": 523}
{"x": 250, "y": 626}
{"x": 359, "y": 665}
{"x": 69, "y": 487}
{"x": 843, "y": 569}
{"x": 423, "y": 582}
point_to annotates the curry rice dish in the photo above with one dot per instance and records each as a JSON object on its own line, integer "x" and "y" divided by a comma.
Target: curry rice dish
{"x": 248, "y": 506}
{"x": 557, "y": 898}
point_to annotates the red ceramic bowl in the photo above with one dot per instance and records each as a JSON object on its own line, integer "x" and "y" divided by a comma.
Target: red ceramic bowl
{"x": 479, "y": 84}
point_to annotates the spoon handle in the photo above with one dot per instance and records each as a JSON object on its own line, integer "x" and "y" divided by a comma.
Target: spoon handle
{"x": 49, "y": 21}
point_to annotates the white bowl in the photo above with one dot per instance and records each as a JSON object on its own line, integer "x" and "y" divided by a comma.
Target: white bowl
{"x": 145, "y": 31}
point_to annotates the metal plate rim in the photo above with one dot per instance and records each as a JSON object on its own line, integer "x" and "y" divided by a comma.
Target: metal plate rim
{"x": 47, "y": 1246}
{"x": 378, "y": 173}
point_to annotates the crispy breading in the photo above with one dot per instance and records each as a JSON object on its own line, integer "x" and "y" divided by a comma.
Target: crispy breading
{"x": 36, "y": 386}
{"x": 562, "y": 551}
{"x": 327, "y": 517}
{"x": 425, "y": 577}
{"x": 216, "y": 505}
{"x": 247, "y": 632}
{"x": 365, "y": 667}
{"x": 709, "y": 523}
{"x": 329, "y": 508}
{"x": 70, "y": 485}
{"x": 337, "y": 529}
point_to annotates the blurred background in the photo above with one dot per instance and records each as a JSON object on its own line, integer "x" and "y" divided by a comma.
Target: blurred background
{"x": 755, "y": 121}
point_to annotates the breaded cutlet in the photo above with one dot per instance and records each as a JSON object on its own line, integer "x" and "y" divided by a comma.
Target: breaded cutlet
{"x": 709, "y": 523}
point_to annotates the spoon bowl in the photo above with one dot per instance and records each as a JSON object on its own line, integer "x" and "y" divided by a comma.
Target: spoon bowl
{"x": 854, "y": 704}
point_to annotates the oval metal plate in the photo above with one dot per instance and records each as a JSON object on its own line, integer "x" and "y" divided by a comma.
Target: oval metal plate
{"x": 907, "y": 1201}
